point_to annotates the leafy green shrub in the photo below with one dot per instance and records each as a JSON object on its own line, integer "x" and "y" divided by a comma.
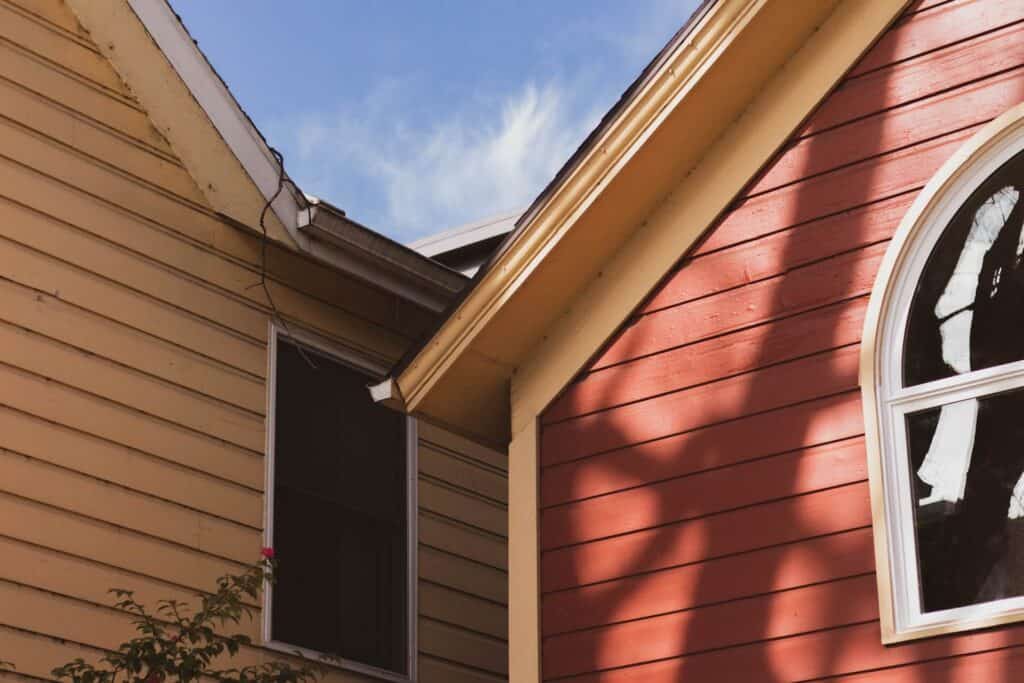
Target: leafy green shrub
{"x": 179, "y": 642}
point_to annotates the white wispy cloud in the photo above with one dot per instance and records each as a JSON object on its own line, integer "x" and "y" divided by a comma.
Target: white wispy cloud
{"x": 491, "y": 155}
{"x": 408, "y": 170}
{"x": 646, "y": 32}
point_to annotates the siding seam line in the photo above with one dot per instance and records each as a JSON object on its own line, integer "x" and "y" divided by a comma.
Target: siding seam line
{"x": 125, "y": 529}
{"x": 464, "y": 558}
{"x": 244, "y": 412}
{"x": 736, "y": 418}
{"x": 99, "y": 125}
{"x": 462, "y": 491}
{"x": 713, "y": 381}
{"x": 89, "y": 435}
{"x": 152, "y": 496}
{"x": 230, "y": 445}
{"x": 704, "y": 560}
{"x": 74, "y": 75}
{"x": 715, "y": 603}
{"x": 685, "y": 520}
{"x": 482, "y": 598}
{"x": 929, "y": 51}
{"x": 51, "y": 27}
{"x": 715, "y": 468}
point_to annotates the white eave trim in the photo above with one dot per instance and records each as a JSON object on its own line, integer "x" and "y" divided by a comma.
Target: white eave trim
{"x": 420, "y": 280}
{"x": 220, "y": 106}
{"x": 456, "y": 238}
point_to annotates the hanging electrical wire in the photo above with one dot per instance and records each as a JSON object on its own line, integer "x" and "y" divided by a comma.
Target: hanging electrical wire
{"x": 275, "y": 313}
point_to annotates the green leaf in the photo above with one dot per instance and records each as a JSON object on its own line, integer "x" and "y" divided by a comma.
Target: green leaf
{"x": 178, "y": 644}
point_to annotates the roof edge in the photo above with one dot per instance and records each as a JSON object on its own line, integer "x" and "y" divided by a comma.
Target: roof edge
{"x": 243, "y": 173}
{"x": 395, "y": 266}
{"x": 679, "y": 64}
{"x": 223, "y": 110}
{"x": 466, "y": 234}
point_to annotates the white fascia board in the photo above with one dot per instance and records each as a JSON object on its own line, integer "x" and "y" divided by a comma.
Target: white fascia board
{"x": 221, "y": 107}
{"x": 294, "y": 210}
{"x": 464, "y": 235}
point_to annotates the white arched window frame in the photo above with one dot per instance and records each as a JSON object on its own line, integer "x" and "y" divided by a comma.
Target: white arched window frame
{"x": 887, "y": 402}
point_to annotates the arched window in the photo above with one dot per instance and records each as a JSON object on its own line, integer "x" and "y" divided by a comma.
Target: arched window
{"x": 942, "y": 372}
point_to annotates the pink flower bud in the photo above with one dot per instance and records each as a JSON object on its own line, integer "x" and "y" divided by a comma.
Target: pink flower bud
{"x": 267, "y": 553}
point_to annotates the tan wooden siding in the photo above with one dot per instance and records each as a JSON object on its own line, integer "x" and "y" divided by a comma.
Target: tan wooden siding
{"x": 704, "y": 505}
{"x": 133, "y": 356}
{"x": 463, "y": 563}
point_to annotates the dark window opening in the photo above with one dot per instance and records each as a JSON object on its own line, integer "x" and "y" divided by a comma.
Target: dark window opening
{"x": 339, "y": 514}
{"x": 970, "y": 550}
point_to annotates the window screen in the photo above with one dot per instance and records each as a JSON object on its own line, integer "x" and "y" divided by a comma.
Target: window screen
{"x": 339, "y": 514}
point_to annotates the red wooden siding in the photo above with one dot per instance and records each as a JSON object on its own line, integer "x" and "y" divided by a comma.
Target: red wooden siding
{"x": 704, "y": 504}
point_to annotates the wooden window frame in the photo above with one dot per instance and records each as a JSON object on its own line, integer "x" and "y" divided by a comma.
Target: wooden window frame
{"x": 375, "y": 372}
{"x": 886, "y": 402}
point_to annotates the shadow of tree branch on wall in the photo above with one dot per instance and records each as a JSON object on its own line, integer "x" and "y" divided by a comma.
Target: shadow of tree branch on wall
{"x": 705, "y": 511}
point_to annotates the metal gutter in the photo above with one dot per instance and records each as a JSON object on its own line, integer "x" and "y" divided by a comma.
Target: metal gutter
{"x": 331, "y": 235}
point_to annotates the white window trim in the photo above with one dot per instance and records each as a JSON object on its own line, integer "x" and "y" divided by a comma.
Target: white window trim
{"x": 363, "y": 364}
{"x": 886, "y": 402}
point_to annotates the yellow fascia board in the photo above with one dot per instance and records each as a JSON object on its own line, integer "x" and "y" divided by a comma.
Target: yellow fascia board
{"x": 548, "y": 223}
{"x": 676, "y": 225}
{"x": 652, "y": 250}
{"x": 720, "y": 69}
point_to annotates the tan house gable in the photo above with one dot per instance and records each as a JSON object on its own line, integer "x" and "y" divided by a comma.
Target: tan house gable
{"x": 134, "y": 336}
{"x": 235, "y": 168}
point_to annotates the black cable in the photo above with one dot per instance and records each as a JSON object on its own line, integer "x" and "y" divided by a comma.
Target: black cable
{"x": 275, "y": 312}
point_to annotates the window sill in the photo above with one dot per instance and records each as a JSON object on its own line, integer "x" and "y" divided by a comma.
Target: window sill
{"x": 341, "y": 663}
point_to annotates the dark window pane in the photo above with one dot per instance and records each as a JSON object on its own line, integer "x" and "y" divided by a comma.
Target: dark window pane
{"x": 339, "y": 514}
{"x": 967, "y": 459}
{"x": 968, "y": 310}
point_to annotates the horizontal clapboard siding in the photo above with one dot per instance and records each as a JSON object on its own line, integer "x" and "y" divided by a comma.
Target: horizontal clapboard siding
{"x": 463, "y": 559}
{"x": 704, "y": 504}
{"x": 133, "y": 338}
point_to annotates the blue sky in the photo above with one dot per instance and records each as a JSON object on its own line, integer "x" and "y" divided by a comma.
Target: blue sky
{"x": 415, "y": 117}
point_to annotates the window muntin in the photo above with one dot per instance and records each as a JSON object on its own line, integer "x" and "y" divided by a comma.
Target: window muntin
{"x": 950, "y": 374}
{"x": 340, "y": 515}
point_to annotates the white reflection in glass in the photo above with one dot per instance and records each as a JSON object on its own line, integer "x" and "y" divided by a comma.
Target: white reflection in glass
{"x": 948, "y": 458}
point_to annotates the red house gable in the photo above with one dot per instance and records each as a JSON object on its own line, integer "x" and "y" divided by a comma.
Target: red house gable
{"x": 704, "y": 505}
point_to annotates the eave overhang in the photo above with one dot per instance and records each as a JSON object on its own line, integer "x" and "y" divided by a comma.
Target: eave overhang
{"x": 329, "y": 234}
{"x": 662, "y": 131}
{"x": 232, "y": 163}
